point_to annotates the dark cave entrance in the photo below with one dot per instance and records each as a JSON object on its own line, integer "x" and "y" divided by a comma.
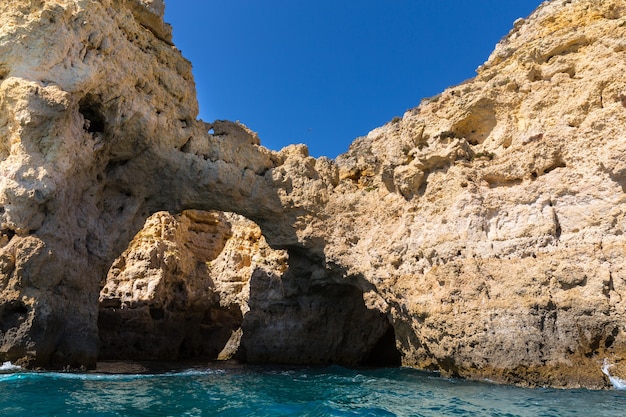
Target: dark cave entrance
{"x": 305, "y": 315}
{"x": 330, "y": 325}
{"x": 384, "y": 353}
{"x": 317, "y": 317}
{"x": 91, "y": 110}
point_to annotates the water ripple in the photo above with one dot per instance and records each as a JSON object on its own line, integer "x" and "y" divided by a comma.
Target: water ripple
{"x": 264, "y": 391}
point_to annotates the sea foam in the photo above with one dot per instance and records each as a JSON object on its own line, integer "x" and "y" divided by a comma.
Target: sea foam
{"x": 618, "y": 383}
{"x": 9, "y": 367}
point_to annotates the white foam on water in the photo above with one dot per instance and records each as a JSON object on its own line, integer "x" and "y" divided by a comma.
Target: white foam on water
{"x": 8, "y": 371}
{"x": 125, "y": 377}
{"x": 9, "y": 367}
{"x": 617, "y": 383}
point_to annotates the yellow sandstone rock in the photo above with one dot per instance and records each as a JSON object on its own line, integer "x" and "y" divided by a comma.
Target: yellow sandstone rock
{"x": 481, "y": 234}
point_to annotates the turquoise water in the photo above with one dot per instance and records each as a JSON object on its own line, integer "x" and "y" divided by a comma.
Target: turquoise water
{"x": 262, "y": 391}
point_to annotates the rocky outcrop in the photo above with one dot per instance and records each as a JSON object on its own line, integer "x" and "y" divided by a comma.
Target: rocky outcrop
{"x": 505, "y": 256}
{"x": 481, "y": 234}
{"x": 181, "y": 288}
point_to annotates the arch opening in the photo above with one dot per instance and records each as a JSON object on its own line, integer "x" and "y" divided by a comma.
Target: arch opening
{"x": 160, "y": 299}
{"x": 206, "y": 285}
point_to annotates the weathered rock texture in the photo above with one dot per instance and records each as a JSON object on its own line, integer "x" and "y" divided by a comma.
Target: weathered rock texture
{"x": 181, "y": 288}
{"x": 481, "y": 234}
{"x": 97, "y": 123}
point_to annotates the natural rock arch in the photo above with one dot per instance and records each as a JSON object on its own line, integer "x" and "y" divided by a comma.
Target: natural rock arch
{"x": 99, "y": 132}
{"x": 111, "y": 132}
{"x": 487, "y": 224}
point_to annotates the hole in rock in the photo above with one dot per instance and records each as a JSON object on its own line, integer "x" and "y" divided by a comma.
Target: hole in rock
{"x": 324, "y": 323}
{"x": 206, "y": 285}
{"x": 114, "y": 165}
{"x": 12, "y": 314}
{"x": 186, "y": 148}
{"x": 91, "y": 111}
{"x": 6, "y": 235}
{"x": 384, "y": 352}
{"x": 478, "y": 123}
{"x": 557, "y": 164}
{"x": 610, "y": 339}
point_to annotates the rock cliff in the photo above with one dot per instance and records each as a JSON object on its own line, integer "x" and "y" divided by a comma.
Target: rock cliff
{"x": 481, "y": 234}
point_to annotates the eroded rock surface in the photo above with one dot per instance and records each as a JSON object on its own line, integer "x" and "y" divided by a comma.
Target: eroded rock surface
{"x": 482, "y": 232}
{"x": 181, "y": 289}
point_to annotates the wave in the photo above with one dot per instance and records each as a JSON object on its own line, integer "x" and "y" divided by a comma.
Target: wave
{"x": 618, "y": 384}
{"x": 9, "y": 367}
{"x": 16, "y": 372}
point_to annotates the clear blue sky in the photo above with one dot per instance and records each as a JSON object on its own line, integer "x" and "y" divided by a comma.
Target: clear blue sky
{"x": 323, "y": 72}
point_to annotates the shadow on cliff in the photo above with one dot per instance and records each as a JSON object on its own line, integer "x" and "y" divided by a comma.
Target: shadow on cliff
{"x": 170, "y": 328}
{"x": 314, "y": 314}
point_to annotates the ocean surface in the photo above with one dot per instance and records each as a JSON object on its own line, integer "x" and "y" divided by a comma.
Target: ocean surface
{"x": 237, "y": 390}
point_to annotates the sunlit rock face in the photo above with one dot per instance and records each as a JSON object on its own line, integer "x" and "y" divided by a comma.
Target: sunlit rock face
{"x": 481, "y": 234}
{"x": 98, "y": 130}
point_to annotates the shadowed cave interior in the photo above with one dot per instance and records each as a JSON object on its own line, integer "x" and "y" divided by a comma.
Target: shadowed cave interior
{"x": 300, "y": 317}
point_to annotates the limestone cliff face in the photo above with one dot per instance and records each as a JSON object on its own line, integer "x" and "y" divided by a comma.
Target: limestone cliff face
{"x": 498, "y": 241}
{"x": 98, "y": 130}
{"x": 481, "y": 234}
